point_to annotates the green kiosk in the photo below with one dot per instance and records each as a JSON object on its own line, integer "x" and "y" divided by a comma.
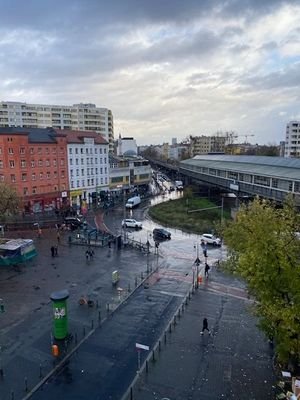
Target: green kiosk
{"x": 60, "y": 315}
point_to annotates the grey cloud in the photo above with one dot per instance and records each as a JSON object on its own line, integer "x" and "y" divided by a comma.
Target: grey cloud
{"x": 282, "y": 79}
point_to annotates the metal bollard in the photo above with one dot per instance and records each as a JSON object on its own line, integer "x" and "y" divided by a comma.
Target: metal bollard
{"x": 159, "y": 346}
{"x": 170, "y": 328}
{"x": 131, "y": 393}
{"x": 165, "y": 337}
{"x": 153, "y": 355}
{"x": 174, "y": 321}
{"x": 178, "y": 313}
{"x": 26, "y": 384}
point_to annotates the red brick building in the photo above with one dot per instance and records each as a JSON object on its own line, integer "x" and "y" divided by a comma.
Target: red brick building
{"x": 35, "y": 162}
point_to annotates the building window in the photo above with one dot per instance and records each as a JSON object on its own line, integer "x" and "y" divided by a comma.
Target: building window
{"x": 82, "y": 161}
{"x": 72, "y": 184}
{"x": 47, "y": 163}
{"x": 48, "y": 175}
{"x": 77, "y": 172}
{"x": 41, "y": 175}
{"x": 54, "y": 150}
{"x": 11, "y": 163}
{"x": 76, "y": 151}
{"x": 10, "y": 150}
{"x": 33, "y": 176}
{"x": 13, "y": 178}
{"x": 71, "y": 173}
{"x": 100, "y": 150}
{"x": 22, "y": 150}
{"x": 47, "y": 150}
{"x": 101, "y": 171}
{"x": 70, "y": 150}
{"x": 31, "y": 150}
{"x": 54, "y": 163}
{"x": 78, "y": 185}
{"x": 76, "y": 161}
{"x": 62, "y": 174}
{"x": 83, "y": 182}
{"x": 1, "y": 178}
{"x": 88, "y": 182}
{"x": 39, "y": 150}
{"x": 96, "y": 150}
{"x": 24, "y": 177}
{"x": 55, "y": 174}
{"x": 105, "y": 151}
{"x": 34, "y": 190}
{"x": 105, "y": 170}
{"x": 25, "y": 191}
{"x": 81, "y": 151}
{"x": 1, "y": 164}
{"x": 61, "y": 150}
{"x": 40, "y": 163}
{"x": 32, "y": 163}
{"x": 23, "y": 163}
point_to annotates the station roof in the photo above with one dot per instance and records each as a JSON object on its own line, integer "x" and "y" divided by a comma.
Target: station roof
{"x": 277, "y": 167}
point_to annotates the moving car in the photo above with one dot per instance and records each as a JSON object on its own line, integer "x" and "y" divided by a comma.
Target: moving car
{"x": 161, "y": 233}
{"x": 208, "y": 238}
{"x": 73, "y": 222}
{"x": 131, "y": 223}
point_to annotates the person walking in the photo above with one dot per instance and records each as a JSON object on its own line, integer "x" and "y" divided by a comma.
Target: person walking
{"x": 87, "y": 255}
{"x": 205, "y": 327}
{"x": 206, "y": 270}
{"x": 58, "y": 237}
{"x": 52, "y": 251}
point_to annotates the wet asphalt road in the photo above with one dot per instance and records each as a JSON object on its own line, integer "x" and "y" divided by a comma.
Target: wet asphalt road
{"x": 106, "y": 363}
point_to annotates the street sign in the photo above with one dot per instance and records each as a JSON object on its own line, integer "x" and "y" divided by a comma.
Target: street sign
{"x": 141, "y": 346}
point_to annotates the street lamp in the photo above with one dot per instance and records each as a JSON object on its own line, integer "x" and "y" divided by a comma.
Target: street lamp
{"x": 197, "y": 263}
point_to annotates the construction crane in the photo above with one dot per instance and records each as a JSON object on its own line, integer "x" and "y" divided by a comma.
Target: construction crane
{"x": 231, "y": 136}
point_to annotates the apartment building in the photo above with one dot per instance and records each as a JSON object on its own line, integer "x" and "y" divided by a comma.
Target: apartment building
{"x": 83, "y": 117}
{"x": 126, "y": 172}
{"x": 88, "y": 166}
{"x": 34, "y": 161}
{"x": 207, "y": 144}
{"x": 292, "y": 140}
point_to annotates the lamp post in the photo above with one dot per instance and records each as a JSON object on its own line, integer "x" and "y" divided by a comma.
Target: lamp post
{"x": 197, "y": 263}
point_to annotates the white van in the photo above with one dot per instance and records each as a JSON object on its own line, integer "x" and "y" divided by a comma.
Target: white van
{"x": 133, "y": 202}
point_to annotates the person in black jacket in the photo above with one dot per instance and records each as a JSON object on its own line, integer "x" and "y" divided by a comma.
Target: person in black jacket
{"x": 205, "y": 327}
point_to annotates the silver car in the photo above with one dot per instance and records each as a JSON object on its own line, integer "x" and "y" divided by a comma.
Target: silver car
{"x": 131, "y": 223}
{"x": 208, "y": 238}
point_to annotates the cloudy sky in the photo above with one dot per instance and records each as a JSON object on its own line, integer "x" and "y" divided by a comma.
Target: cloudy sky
{"x": 166, "y": 68}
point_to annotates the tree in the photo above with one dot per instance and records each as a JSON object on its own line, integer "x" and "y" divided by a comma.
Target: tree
{"x": 9, "y": 200}
{"x": 265, "y": 251}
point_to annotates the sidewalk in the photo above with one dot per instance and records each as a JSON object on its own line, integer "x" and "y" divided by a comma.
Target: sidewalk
{"x": 233, "y": 363}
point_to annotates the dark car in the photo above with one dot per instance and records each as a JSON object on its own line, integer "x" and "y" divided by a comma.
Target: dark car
{"x": 73, "y": 222}
{"x": 161, "y": 233}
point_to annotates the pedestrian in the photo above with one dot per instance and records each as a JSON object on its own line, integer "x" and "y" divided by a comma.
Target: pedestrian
{"x": 204, "y": 247}
{"x": 55, "y": 251}
{"x": 205, "y": 327}
{"x": 58, "y": 237}
{"x": 87, "y": 255}
{"x": 39, "y": 233}
{"x": 206, "y": 270}
{"x": 52, "y": 251}
{"x": 91, "y": 253}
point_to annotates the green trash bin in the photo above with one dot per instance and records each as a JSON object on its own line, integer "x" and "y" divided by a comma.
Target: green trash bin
{"x": 60, "y": 315}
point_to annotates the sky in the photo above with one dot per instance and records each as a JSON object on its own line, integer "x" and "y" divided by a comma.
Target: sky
{"x": 166, "y": 68}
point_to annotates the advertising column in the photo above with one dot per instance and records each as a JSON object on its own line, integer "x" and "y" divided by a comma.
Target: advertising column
{"x": 60, "y": 317}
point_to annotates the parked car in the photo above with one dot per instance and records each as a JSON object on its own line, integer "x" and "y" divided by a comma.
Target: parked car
{"x": 131, "y": 223}
{"x": 210, "y": 239}
{"x": 161, "y": 233}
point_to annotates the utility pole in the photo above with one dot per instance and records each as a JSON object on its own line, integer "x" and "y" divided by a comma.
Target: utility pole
{"x": 124, "y": 215}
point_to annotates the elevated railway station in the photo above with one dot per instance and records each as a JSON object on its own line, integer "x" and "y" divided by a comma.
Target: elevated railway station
{"x": 269, "y": 177}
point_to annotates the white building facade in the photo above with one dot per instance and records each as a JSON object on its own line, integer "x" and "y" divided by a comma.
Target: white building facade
{"x": 292, "y": 140}
{"x": 88, "y": 167}
{"x": 83, "y": 117}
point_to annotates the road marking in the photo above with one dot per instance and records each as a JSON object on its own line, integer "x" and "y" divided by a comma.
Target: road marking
{"x": 171, "y": 293}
